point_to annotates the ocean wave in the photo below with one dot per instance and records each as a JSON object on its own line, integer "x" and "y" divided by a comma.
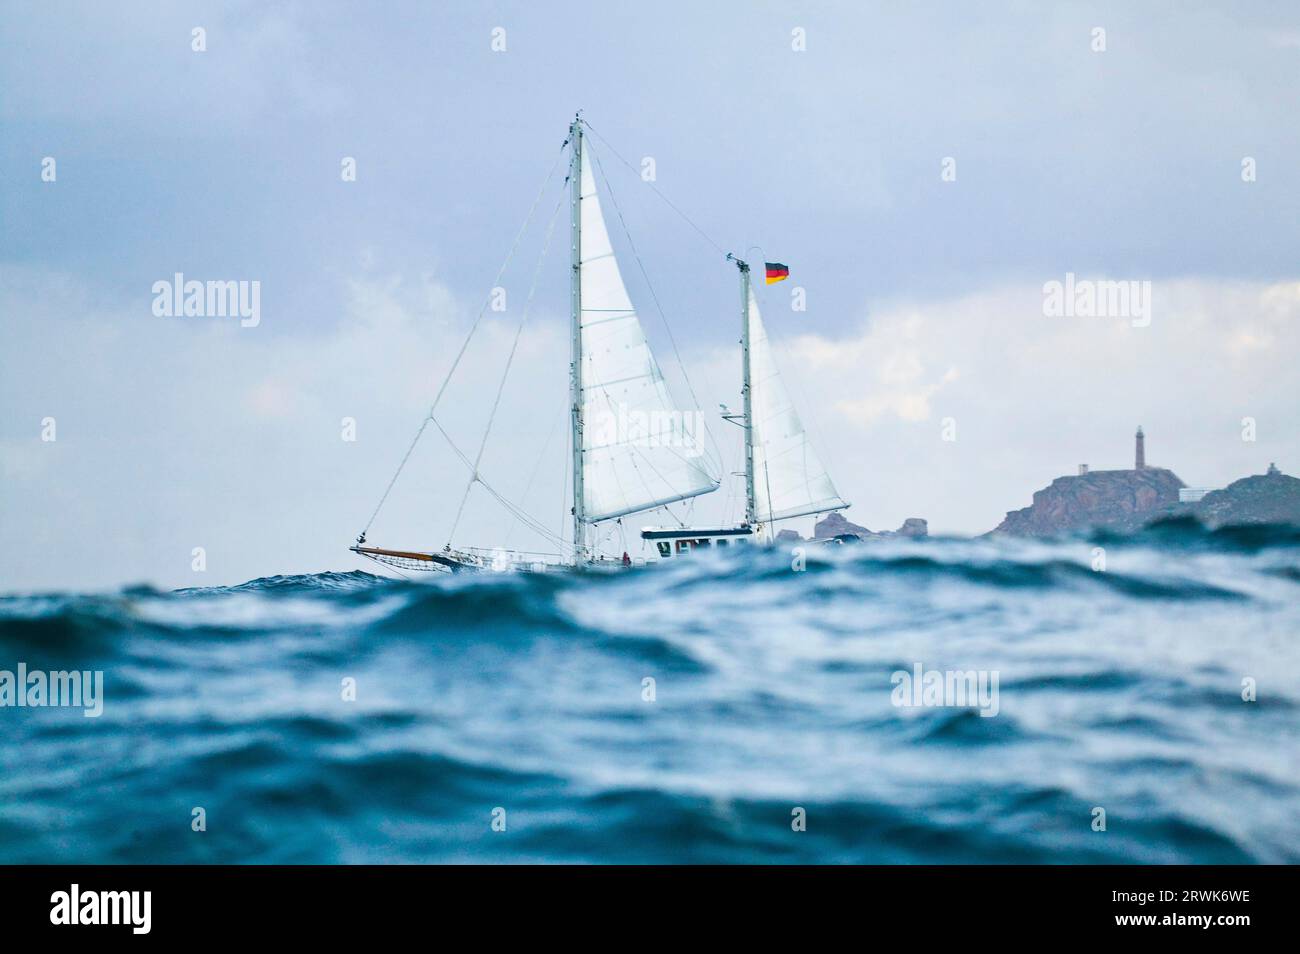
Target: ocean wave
{"x": 1186, "y": 532}
{"x": 679, "y": 714}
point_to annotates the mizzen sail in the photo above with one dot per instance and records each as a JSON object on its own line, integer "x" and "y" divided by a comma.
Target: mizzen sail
{"x": 789, "y": 478}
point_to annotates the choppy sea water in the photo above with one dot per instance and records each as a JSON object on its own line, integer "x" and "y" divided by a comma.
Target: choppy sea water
{"x": 773, "y": 691}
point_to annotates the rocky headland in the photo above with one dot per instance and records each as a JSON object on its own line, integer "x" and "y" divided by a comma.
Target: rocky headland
{"x": 1122, "y": 500}
{"x": 1128, "y": 500}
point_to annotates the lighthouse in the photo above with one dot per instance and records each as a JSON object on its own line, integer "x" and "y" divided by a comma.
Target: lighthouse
{"x": 1140, "y": 461}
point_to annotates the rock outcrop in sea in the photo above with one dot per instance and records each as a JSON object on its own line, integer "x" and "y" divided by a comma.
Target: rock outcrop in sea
{"x": 836, "y": 525}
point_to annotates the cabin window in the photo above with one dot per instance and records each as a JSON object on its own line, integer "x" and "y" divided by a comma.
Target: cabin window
{"x": 665, "y": 550}
{"x": 701, "y": 544}
{"x": 683, "y": 546}
{"x": 722, "y": 543}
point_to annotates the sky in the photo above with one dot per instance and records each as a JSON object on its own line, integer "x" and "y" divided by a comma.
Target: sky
{"x": 924, "y": 169}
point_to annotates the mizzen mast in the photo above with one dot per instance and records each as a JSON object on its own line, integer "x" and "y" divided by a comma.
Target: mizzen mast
{"x": 747, "y": 415}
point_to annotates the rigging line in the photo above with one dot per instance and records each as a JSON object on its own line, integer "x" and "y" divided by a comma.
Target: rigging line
{"x": 533, "y": 524}
{"x": 474, "y": 327}
{"x": 497, "y": 281}
{"x": 386, "y": 566}
{"x": 512, "y": 508}
{"x": 655, "y": 189}
{"x": 636, "y": 449}
{"x": 600, "y": 389}
{"x": 609, "y": 401}
{"x": 731, "y": 498}
{"x": 654, "y": 296}
{"x": 389, "y": 489}
{"x": 650, "y": 464}
{"x": 532, "y": 478}
{"x": 637, "y": 471}
{"x": 505, "y": 374}
{"x": 813, "y": 440}
{"x": 564, "y": 485}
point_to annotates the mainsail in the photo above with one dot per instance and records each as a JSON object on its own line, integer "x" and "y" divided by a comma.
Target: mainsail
{"x": 638, "y": 450}
{"x": 789, "y": 478}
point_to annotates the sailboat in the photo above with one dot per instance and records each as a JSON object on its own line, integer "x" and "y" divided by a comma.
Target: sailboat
{"x": 632, "y": 452}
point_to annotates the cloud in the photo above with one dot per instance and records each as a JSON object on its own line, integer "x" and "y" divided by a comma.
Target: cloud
{"x": 176, "y": 433}
{"x": 1032, "y": 397}
{"x": 84, "y": 59}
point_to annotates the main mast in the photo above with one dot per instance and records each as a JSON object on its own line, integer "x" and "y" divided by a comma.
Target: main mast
{"x": 575, "y": 352}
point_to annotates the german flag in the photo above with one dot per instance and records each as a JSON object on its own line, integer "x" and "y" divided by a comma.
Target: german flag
{"x": 776, "y": 272}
